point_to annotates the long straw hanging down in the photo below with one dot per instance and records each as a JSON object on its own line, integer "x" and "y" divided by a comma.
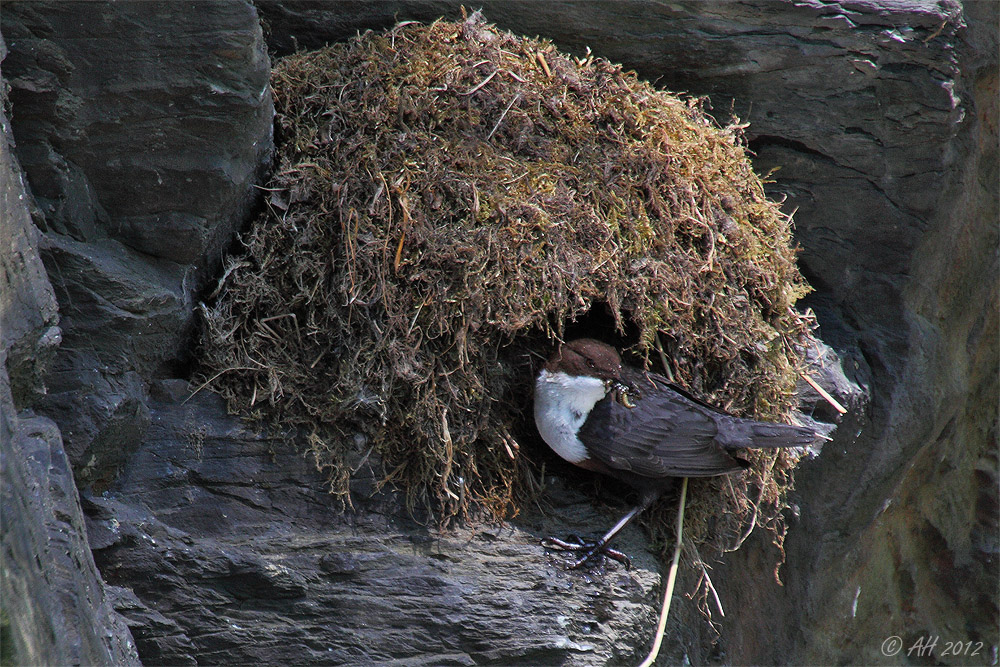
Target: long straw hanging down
{"x": 668, "y": 592}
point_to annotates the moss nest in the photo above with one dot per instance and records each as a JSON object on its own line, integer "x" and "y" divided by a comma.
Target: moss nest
{"x": 447, "y": 200}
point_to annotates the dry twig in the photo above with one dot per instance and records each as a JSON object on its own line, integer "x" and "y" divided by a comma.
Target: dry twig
{"x": 668, "y": 591}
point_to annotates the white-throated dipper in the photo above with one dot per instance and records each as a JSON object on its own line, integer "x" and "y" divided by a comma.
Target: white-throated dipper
{"x": 602, "y": 415}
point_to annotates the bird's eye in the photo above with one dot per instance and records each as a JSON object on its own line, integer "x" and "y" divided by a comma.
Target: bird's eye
{"x": 590, "y": 362}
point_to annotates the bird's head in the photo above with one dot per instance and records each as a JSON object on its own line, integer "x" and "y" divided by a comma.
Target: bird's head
{"x": 587, "y": 357}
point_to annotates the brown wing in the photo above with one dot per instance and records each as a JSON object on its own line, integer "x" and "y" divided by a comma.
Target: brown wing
{"x": 665, "y": 434}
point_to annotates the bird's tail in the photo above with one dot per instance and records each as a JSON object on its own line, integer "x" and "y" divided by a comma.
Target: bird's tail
{"x": 738, "y": 433}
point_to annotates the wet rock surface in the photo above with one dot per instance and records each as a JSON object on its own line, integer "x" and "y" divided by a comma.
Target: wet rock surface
{"x": 236, "y": 553}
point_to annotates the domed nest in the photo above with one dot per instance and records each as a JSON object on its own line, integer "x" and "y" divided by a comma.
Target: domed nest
{"x": 448, "y": 199}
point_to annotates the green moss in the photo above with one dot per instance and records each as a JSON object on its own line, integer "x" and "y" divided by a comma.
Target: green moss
{"x": 448, "y": 197}
{"x": 7, "y": 658}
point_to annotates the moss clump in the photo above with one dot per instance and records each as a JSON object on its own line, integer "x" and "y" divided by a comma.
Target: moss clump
{"x": 449, "y": 197}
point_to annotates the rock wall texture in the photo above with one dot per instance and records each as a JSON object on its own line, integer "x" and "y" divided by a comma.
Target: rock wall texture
{"x": 235, "y": 555}
{"x": 141, "y": 129}
{"x": 56, "y": 608}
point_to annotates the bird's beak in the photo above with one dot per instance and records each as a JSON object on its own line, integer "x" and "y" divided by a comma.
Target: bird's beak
{"x": 625, "y": 393}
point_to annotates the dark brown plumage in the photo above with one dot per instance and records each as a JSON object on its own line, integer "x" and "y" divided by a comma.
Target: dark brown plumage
{"x": 637, "y": 427}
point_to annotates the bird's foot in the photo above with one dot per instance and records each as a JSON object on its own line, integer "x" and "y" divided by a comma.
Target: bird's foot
{"x": 593, "y": 551}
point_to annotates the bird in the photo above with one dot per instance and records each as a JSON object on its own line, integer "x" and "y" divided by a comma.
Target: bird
{"x": 636, "y": 426}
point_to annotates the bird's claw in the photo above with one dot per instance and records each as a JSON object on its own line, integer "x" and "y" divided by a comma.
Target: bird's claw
{"x": 591, "y": 550}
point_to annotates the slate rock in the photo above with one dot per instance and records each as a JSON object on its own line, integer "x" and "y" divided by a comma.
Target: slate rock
{"x": 29, "y": 315}
{"x": 56, "y": 608}
{"x": 54, "y": 598}
{"x": 235, "y": 552}
{"x": 142, "y": 128}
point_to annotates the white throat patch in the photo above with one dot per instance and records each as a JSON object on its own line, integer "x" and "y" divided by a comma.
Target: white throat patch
{"x": 562, "y": 404}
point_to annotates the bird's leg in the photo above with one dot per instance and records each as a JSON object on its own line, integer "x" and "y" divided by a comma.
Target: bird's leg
{"x": 576, "y": 543}
{"x": 600, "y": 546}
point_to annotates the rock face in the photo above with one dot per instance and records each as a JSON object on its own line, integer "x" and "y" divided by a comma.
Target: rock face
{"x": 235, "y": 554}
{"x": 57, "y": 609}
{"x": 141, "y": 128}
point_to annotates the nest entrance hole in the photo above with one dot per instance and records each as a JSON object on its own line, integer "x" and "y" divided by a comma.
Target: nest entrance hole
{"x": 449, "y": 201}
{"x": 599, "y": 322}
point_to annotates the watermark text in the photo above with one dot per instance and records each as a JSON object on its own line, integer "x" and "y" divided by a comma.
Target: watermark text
{"x": 931, "y": 645}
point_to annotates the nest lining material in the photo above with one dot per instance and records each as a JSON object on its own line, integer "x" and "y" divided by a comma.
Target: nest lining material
{"x": 449, "y": 197}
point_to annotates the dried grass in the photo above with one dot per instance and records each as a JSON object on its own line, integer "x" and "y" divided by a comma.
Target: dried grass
{"x": 449, "y": 197}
